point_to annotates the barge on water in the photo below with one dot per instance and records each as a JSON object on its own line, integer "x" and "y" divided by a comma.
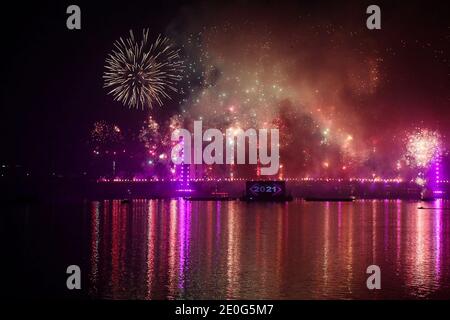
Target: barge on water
{"x": 215, "y": 196}
{"x": 330, "y": 199}
{"x": 266, "y": 191}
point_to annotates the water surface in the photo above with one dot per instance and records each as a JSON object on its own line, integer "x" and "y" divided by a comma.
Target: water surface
{"x": 176, "y": 249}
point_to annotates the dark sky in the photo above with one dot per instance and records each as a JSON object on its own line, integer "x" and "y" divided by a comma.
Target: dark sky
{"x": 52, "y": 77}
{"x": 52, "y": 86}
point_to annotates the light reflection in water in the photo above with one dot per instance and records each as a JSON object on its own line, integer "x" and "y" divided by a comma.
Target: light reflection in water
{"x": 437, "y": 238}
{"x": 326, "y": 245}
{"x": 398, "y": 248}
{"x": 175, "y": 249}
{"x": 95, "y": 222}
{"x": 150, "y": 244}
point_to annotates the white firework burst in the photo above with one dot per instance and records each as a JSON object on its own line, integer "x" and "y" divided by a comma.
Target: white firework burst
{"x": 140, "y": 73}
{"x": 422, "y": 147}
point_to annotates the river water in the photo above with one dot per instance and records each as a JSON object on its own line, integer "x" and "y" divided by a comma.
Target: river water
{"x": 177, "y": 249}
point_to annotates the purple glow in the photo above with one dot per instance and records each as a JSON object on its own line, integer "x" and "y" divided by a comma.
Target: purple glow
{"x": 184, "y": 177}
{"x": 436, "y": 183}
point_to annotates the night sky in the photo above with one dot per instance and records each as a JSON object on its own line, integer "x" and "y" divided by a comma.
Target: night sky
{"x": 373, "y": 85}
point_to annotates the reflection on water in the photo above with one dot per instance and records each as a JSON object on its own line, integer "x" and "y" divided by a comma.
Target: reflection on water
{"x": 176, "y": 249}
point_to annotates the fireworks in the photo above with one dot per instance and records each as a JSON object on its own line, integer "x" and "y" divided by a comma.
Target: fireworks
{"x": 422, "y": 147}
{"x": 150, "y": 136}
{"x": 106, "y": 137}
{"x": 103, "y": 133}
{"x": 236, "y": 76}
{"x": 156, "y": 136}
{"x": 140, "y": 73}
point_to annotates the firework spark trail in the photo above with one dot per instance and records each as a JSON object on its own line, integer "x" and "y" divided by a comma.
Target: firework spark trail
{"x": 156, "y": 137}
{"x": 140, "y": 73}
{"x": 104, "y": 132}
{"x": 422, "y": 147}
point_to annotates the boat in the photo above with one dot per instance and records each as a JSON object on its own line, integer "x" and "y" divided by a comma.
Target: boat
{"x": 266, "y": 191}
{"x": 331, "y": 199}
{"x": 247, "y": 198}
{"x": 209, "y": 198}
{"x": 214, "y": 196}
